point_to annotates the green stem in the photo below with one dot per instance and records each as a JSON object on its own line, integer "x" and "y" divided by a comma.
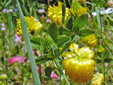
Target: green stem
{"x": 8, "y": 3}
{"x": 4, "y": 50}
{"x": 109, "y": 74}
{"x": 101, "y": 35}
{"x": 64, "y": 1}
{"x": 69, "y": 2}
{"x": 86, "y": 6}
{"x": 61, "y": 71}
{"x": 103, "y": 69}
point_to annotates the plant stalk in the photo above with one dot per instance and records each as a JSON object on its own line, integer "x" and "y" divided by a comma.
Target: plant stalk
{"x": 61, "y": 71}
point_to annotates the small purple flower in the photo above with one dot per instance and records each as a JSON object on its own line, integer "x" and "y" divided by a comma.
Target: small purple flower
{"x": 10, "y": 10}
{"x": 37, "y": 20}
{"x": 15, "y": 9}
{"x": 41, "y": 11}
{"x": 3, "y": 28}
{"x": 42, "y": 4}
{"x": 18, "y": 39}
{"x": 106, "y": 64}
{"x": 2, "y": 24}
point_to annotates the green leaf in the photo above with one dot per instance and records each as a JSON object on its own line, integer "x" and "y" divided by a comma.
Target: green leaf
{"x": 80, "y": 22}
{"x": 41, "y": 59}
{"x": 98, "y": 18}
{"x": 49, "y": 55}
{"x": 75, "y": 38}
{"x": 61, "y": 40}
{"x": 48, "y": 71}
{"x": 53, "y": 31}
{"x": 69, "y": 22}
{"x": 50, "y": 41}
{"x": 44, "y": 58}
{"x": 63, "y": 12}
{"x": 64, "y": 31}
{"x": 10, "y": 23}
{"x": 105, "y": 55}
{"x": 64, "y": 48}
{"x": 38, "y": 40}
{"x": 86, "y": 32}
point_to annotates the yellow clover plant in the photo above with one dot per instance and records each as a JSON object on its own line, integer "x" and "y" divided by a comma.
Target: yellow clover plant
{"x": 76, "y": 9}
{"x": 55, "y": 13}
{"x": 78, "y": 63}
{"x": 32, "y": 25}
{"x": 98, "y": 79}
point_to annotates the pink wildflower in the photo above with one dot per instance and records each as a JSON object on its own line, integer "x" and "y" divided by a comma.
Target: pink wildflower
{"x": 5, "y": 11}
{"x": 33, "y": 52}
{"x": 89, "y": 17}
{"x": 44, "y": 83}
{"x": 53, "y": 75}
{"x": 42, "y": 71}
{"x": 42, "y": 17}
{"x": 17, "y": 59}
{"x": 48, "y": 21}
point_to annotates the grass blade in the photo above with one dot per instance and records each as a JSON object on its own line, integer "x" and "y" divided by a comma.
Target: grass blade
{"x": 29, "y": 48}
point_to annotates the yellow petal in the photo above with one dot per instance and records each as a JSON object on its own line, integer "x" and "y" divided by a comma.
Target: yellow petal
{"x": 73, "y": 47}
{"x": 86, "y": 52}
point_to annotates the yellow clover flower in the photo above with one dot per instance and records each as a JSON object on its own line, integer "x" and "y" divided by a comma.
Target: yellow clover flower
{"x": 78, "y": 63}
{"x": 77, "y": 9}
{"x": 98, "y": 79}
{"x": 55, "y": 13}
{"x": 91, "y": 40}
{"x": 32, "y": 25}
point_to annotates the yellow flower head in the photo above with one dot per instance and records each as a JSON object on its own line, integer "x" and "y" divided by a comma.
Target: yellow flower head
{"x": 55, "y": 13}
{"x": 79, "y": 65}
{"x": 32, "y": 25}
{"x": 84, "y": 52}
{"x": 98, "y": 79}
{"x": 91, "y": 40}
{"x": 77, "y": 9}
